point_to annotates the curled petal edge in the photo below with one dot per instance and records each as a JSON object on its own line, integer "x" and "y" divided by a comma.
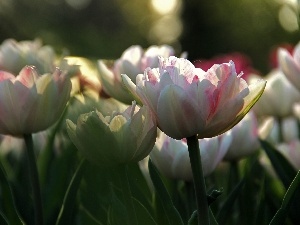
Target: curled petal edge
{"x": 131, "y": 88}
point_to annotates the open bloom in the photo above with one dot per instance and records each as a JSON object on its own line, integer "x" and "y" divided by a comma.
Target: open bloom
{"x": 31, "y": 102}
{"x": 171, "y": 156}
{"x": 15, "y": 55}
{"x": 290, "y": 65}
{"x": 108, "y": 141}
{"x": 188, "y": 101}
{"x": 133, "y": 61}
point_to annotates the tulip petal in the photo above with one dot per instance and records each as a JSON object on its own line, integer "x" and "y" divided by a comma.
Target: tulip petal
{"x": 131, "y": 88}
{"x": 289, "y": 67}
{"x": 174, "y": 107}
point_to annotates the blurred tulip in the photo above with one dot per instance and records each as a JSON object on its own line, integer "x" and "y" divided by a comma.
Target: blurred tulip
{"x": 278, "y": 98}
{"x": 108, "y": 141}
{"x": 274, "y": 53}
{"x": 283, "y": 130}
{"x": 30, "y": 102}
{"x": 290, "y": 65}
{"x": 85, "y": 81}
{"x": 171, "y": 156}
{"x": 187, "y": 101}
{"x": 15, "y": 55}
{"x": 291, "y": 151}
{"x": 133, "y": 61}
{"x": 244, "y": 138}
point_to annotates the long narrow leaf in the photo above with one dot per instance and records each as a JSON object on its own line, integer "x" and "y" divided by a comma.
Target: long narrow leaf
{"x": 3, "y": 219}
{"x": 67, "y": 207}
{"x": 173, "y": 217}
{"x": 194, "y": 220}
{"x": 283, "y": 168}
{"x": 282, "y": 213}
{"x": 10, "y": 210}
{"x": 226, "y": 208}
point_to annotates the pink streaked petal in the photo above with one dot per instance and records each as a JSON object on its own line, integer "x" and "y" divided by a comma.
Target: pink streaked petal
{"x": 205, "y": 99}
{"x": 225, "y": 70}
{"x": 152, "y": 75}
{"x": 6, "y": 76}
{"x": 211, "y": 75}
{"x": 28, "y": 76}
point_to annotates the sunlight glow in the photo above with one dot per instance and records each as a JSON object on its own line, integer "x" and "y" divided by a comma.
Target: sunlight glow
{"x": 164, "y": 6}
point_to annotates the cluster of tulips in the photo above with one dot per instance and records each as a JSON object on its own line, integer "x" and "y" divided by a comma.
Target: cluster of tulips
{"x": 148, "y": 138}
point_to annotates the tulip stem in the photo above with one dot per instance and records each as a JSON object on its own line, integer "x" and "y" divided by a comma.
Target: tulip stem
{"x": 127, "y": 195}
{"x": 34, "y": 179}
{"x": 199, "y": 182}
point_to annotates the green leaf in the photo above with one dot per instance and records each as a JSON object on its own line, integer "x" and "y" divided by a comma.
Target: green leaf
{"x": 139, "y": 186}
{"x": 226, "y": 208}
{"x": 11, "y": 213}
{"x": 46, "y": 156}
{"x": 65, "y": 214}
{"x": 116, "y": 212}
{"x": 282, "y": 213}
{"x": 143, "y": 216}
{"x": 173, "y": 217}
{"x": 194, "y": 220}
{"x": 85, "y": 217}
{"x": 283, "y": 168}
{"x": 212, "y": 218}
{"x": 3, "y": 219}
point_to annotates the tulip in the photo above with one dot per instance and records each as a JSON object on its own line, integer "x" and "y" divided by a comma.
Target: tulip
{"x": 291, "y": 151}
{"x": 171, "y": 156}
{"x": 85, "y": 78}
{"x": 30, "y": 102}
{"x": 277, "y": 88}
{"x": 187, "y": 101}
{"x": 244, "y": 138}
{"x": 119, "y": 139}
{"x": 290, "y": 64}
{"x": 15, "y": 55}
{"x": 133, "y": 61}
{"x": 284, "y": 130}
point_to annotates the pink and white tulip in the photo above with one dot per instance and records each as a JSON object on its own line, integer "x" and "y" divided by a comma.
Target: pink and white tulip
{"x": 133, "y": 61}
{"x": 15, "y": 55}
{"x": 290, "y": 64}
{"x": 171, "y": 156}
{"x": 188, "y": 101}
{"x": 31, "y": 102}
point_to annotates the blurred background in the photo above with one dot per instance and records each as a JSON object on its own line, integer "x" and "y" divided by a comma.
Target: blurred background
{"x": 105, "y": 28}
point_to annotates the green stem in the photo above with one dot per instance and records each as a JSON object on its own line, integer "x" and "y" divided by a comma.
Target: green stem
{"x": 199, "y": 182}
{"x": 34, "y": 179}
{"x": 127, "y": 196}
